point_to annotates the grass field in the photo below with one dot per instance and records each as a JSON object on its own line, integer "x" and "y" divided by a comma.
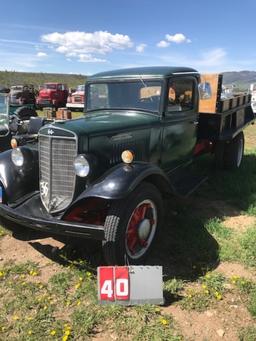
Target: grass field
{"x": 207, "y": 249}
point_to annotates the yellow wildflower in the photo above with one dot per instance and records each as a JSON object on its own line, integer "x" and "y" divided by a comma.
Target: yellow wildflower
{"x": 65, "y": 337}
{"x": 30, "y": 332}
{"x": 218, "y": 296}
{"x": 88, "y": 274}
{"x": 80, "y": 279}
{"x": 15, "y": 317}
{"x": 1, "y": 273}
{"x": 77, "y": 286}
{"x": 53, "y": 332}
{"x": 204, "y": 286}
{"x": 164, "y": 322}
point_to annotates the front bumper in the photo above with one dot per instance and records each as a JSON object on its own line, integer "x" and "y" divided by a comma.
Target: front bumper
{"x": 44, "y": 102}
{"x": 32, "y": 214}
{"x": 75, "y": 105}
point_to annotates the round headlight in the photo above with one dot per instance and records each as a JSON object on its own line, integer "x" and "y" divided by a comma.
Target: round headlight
{"x": 82, "y": 167}
{"x": 17, "y": 157}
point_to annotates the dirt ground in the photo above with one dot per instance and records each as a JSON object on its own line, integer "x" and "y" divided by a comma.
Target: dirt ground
{"x": 220, "y": 322}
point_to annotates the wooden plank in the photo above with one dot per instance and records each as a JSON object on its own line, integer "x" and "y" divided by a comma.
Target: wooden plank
{"x": 209, "y": 105}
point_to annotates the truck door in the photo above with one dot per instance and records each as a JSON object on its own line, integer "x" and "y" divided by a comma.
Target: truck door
{"x": 180, "y": 122}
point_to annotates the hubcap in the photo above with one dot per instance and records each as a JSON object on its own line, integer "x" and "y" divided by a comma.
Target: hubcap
{"x": 240, "y": 152}
{"x": 141, "y": 229}
{"x": 144, "y": 229}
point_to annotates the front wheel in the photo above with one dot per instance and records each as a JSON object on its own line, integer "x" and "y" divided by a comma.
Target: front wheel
{"x": 131, "y": 226}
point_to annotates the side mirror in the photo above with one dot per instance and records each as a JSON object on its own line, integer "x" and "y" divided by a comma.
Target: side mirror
{"x": 4, "y": 114}
{"x": 205, "y": 91}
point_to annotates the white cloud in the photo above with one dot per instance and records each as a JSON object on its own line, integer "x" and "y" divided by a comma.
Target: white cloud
{"x": 213, "y": 60}
{"x": 85, "y": 45}
{"x": 177, "y": 38}
{"x": 163, "y": 44}
{"x": 141, "y": 47}
{"x": 88, "y": 58}
{"x": 213, "y": 57}
{"x": 41, "y": 54}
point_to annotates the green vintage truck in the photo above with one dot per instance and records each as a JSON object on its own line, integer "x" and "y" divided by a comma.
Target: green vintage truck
{"x": 104, "y": 176}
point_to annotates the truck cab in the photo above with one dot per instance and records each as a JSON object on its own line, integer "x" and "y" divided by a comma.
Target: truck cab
{"x": 75, "y": 100}
{"x": 104, "y": 176}
{"x": 52, "y": 95}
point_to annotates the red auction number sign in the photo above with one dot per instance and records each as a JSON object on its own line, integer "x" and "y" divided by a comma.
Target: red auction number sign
{"x": 114, "y": 284}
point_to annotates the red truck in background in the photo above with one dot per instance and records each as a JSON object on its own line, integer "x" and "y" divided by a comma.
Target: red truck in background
{"x": 52, "y": 95}
{"x": 75, "y": 100}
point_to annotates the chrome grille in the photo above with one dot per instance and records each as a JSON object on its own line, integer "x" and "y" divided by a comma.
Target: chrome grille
{"x": 57, "y": 175}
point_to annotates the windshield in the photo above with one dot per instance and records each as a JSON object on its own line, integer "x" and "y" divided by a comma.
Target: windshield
{"x": 49, "y": 86}
{"x": 4, "y": 109}
{"x": 17, "y": 88}
{"x": 139, "y": 95}
{"x": 80, "y": 88}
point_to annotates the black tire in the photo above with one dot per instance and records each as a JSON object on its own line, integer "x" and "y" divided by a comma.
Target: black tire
{"x": 219, "y": 154}
{"x": 229, "y": 155}
{"x": 25, "y": 113}
{"x": 234, "y": 152}
{"x": 118, "y": 224}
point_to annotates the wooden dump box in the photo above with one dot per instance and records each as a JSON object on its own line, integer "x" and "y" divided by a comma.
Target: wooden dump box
{"x": 222, "y": 118}
{"x": 215, "y": 104}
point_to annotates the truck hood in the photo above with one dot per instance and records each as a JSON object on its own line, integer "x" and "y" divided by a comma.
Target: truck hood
{"x": 108, "y": 121}
{"x": 46, "y": 92}
{"x": 77, "y": 93}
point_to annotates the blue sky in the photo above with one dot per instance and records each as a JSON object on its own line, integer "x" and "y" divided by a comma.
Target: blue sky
{"x": 91, "y": 36}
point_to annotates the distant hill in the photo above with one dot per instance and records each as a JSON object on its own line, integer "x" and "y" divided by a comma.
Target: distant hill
{"x": 8, "y": 78}
{"x": 242, "y": 79}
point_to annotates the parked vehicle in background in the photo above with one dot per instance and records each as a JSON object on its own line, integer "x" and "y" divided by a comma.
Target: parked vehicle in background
{"x": 52, "y": 95}
{"x": 104, "y": 176}
{"x": 76, "y": 99}
{"x": 22, "y": 101}
{"x": 253, "y": 93}
{"x": 20, "y": 121}
{"x": 14, "y": 91}
{"x": 22, "y": 94}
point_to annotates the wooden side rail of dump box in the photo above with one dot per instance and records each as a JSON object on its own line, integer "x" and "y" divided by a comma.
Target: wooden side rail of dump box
{"x": 222, "y": 119}
{"x": 214, "y": 104}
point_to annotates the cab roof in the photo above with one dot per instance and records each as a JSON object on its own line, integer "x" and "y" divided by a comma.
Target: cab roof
{"x": 144, "y": 72}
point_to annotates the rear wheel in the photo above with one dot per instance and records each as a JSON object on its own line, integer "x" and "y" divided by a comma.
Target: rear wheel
{"x": 230, "y": 155}
{"x": 131, "y": 226}
{"x": 234, "y": 152}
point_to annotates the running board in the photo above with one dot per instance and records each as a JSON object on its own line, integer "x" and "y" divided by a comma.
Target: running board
{"x": 188, "y": 184}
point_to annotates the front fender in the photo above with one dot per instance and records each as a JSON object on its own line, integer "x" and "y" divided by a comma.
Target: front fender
{"x": 122, "y": 179}
{"x": 19, "y": 181}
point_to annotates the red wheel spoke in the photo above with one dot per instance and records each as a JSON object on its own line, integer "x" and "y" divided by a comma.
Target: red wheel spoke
{"x": 133, "y": 241}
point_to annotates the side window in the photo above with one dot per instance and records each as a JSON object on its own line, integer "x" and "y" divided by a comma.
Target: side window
{"x": 61, "y": 87}
{"x": 180, "y": 95}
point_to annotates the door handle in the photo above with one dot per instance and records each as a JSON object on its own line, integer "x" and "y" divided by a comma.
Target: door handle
{"x": 194, "y": 122}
